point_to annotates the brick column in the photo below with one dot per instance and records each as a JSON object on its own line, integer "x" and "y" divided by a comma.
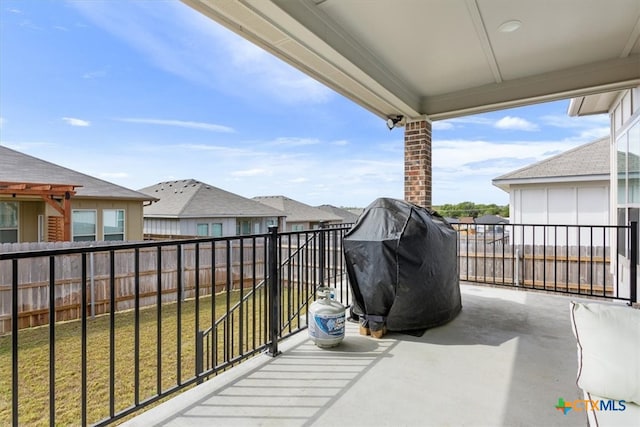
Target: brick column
{"x": 417, "y": 162}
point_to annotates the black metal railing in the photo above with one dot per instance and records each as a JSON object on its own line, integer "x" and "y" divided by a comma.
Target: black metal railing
{"x": 594, "y": 260}
{"x": 152, "y": 318}
{"x": 144, "y": 320}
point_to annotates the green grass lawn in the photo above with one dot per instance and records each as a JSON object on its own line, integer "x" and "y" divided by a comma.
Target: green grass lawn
{"x": 34, "y": 360}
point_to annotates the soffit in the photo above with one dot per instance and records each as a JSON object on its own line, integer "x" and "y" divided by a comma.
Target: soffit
{"x": 446, "y": 58}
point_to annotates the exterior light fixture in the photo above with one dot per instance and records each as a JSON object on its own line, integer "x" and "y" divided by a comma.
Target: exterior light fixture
{"x": 510, "y": 26}
{"x": 393, "y": 121}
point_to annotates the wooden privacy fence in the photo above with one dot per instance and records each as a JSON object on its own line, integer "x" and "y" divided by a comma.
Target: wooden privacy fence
{"x": 575, "y": 269}
{"x": 233, "y": 263}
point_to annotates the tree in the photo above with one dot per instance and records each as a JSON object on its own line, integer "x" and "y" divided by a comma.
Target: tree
{"x": 471, "y": 209}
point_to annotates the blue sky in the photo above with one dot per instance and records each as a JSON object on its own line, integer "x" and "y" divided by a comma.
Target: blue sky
{"x": 139, "y": 92}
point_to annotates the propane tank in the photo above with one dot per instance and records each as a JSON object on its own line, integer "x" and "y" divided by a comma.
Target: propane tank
{"x": 326, "y": 319}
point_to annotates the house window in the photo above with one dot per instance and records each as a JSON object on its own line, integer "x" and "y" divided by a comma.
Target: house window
{"x": 84, "y": 225}
{"x": 621, "y": 161}
{"x": 202, "y": 229}
{"x": 216, "y": 229}
{"x": 8, "y": 222}
{"x": 628, "y": 179}
{"x": 633, "y": 164}
{"x": 113, "y": 224}
{"x": 243, "y": 227}
{"x": 297, "y": 227}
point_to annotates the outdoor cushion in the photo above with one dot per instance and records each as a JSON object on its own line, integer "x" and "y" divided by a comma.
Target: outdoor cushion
{"x": 608, "y": 338}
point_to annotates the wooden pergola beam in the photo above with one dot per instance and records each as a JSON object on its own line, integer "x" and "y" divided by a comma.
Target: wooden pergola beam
{"x": 58, "y": 196}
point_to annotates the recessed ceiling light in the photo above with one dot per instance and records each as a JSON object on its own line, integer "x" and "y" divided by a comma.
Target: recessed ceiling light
{"x": 510, "y": 26}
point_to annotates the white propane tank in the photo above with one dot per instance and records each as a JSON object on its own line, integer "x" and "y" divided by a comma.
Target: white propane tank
{"x": 326, "y": 319}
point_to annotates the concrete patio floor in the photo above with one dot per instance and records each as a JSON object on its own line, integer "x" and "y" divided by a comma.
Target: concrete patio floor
{"x": 505, "y": 360}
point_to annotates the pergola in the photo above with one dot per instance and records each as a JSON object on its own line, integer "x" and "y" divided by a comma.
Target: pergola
{"x": 58, "y": 196}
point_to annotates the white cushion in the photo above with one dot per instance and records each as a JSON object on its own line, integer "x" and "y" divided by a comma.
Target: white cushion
{"x": 608, "y": 339}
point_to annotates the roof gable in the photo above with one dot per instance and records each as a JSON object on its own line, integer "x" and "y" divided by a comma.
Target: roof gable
{"x": 297, "y": 211}
{"x": 192, "y": 198}
{"x": 588, "y": 161}
{"x": 347, "y": 217}
{"x": 19, "y": 167}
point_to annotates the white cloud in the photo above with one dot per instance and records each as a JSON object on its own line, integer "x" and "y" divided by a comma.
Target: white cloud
{"x": 179, "y": 40}
{"x": 515, "y": 123}
{"x": 76, "y": 122}
{"x": 295, "y": 141}
{"x": 251, "y": 172}
{"x": 566, "y": 121}
{"x": 472, "y": 120}
{"x": 442, "y": 125}
{"x": 94, "y": 74}
{"x": 593, "y": 133}
{"x": 458, "y": 154}
{"x": 341, "y": 142}
{"x": 180, "y": 123}
{"x": 218, "y": 149}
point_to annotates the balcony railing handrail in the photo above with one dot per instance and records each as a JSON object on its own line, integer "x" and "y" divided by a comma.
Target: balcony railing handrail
{"x": 274, "y": 277}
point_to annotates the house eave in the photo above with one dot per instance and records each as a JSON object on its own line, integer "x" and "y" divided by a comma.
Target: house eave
{"x": 505, "y": 184}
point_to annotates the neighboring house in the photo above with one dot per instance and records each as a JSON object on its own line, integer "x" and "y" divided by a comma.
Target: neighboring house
{"x": 452, "y": 221}
{"x": 300, "y": 216}
{"x": 466, "y": 224}
{"x": 491, "y": 219}
{"x": 44, "y": 202}
{"x": 348, "y": 217}
{"x": 490, "y": 223}
{"x": 192, "y": 208}
{"x": 569, "y": 188}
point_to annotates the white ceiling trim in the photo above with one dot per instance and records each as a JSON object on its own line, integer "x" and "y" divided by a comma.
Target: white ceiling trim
{"x": 481, "y": 31}
{"x": 584, "y": 80}
{"x": 633, "y": 39}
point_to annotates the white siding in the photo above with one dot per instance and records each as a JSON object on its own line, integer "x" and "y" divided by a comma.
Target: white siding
{"x": 533, "y": 206}
{"x": 593, "y": 205}
{"x": 570, "y": 204}
{"x": 562, "y": 206}
{"x": 161, "y": 226}
{"x": 189, "y": 226}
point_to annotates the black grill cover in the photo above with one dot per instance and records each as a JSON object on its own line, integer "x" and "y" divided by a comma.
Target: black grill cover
{"x": 402, "y": 266}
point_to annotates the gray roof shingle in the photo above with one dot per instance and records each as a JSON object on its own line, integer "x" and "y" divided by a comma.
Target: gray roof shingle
{"x": 189, "y": 198}
{"x": 297, "y": 211}
{"x": 588, "y": 160}
{"x": 19, "y": 167}
{"x": 347, "y": 217}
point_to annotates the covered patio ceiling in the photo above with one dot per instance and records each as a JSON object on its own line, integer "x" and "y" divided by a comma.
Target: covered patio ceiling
{"x": 443, "y": 59}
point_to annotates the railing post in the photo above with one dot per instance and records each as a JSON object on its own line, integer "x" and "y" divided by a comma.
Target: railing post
{"x": 274, "y": 298}
{"x": 633, "y": 263}
{"x": 323, "y": 244}
{"x": 199, "y": 355}
{"x": 14, "y": 342}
